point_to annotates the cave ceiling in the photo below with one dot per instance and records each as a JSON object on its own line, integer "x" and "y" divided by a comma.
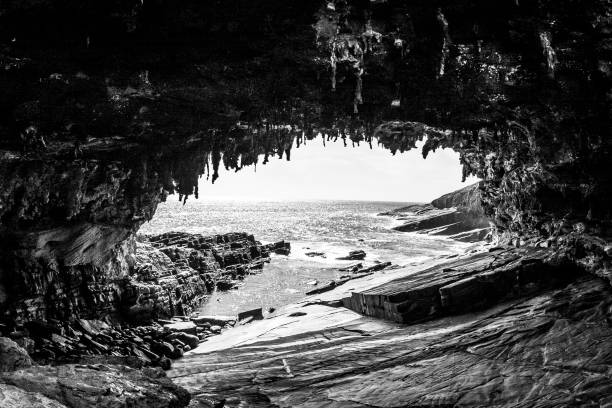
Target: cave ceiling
{"x": 521, "y": 89}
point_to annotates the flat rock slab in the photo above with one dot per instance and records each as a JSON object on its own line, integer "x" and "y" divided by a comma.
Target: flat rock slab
{"x": 552, "y": 349}
{"x": 457, "y": 286}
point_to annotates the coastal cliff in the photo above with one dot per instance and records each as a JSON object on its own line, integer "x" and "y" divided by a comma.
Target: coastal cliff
{"x": 458, "y": 215}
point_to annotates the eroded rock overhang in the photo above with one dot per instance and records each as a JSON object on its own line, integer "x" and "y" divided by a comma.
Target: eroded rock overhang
{"x": 109, "y": 107}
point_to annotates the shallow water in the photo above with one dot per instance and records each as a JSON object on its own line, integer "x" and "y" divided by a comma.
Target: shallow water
{"x": 332, "y": 227}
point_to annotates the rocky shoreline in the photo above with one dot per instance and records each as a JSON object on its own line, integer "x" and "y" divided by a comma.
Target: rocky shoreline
{"x": 543, "y": 343}
{"x": 172, "y": 275}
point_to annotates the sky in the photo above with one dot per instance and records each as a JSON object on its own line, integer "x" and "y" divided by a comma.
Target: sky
{"x": 336, "y": 172}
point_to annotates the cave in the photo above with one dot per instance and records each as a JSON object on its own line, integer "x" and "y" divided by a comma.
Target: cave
{"x": 110, "y": 108}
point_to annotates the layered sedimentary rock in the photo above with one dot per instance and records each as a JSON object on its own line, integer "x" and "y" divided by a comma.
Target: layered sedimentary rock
{"x": 458, "y": 215}
{"x": 174, "y": 272}
{"x": 463, "y": 286}
{"x": 171, "y": 276}
{"x": 547, "y": 350}
{"x": 160, "y": 276}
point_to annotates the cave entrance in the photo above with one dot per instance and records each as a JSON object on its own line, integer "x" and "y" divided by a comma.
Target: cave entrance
{"x": 326, "y": 201}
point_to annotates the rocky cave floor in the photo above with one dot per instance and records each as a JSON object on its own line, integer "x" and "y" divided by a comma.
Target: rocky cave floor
{"x": 498, "y": 326}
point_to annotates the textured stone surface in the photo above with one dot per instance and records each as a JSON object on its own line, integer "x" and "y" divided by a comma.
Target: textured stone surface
{"x": 12, "y": 356}
{"x": 458, "y": 214}
{"x": 548, "y": 349}
{"x": 175, "y": 271}
{"x": 80, "y": 386}
{"x": 14, "y": 397}
{"x": 463, "y": 285}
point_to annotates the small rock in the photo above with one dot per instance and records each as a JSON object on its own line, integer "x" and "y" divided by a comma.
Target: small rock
{"x": 354, "y": 256}
{"x": 214, "y": 320}
{"x": 351, "y": 268}
{"x": 255, "y": 314}
{"x": 313, "y": 254}
{"x": 184, "y": 327}
{"x": 164, "y": 363}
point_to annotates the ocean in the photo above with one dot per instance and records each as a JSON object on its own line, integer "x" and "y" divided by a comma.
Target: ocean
{"x": 331, "y": 227}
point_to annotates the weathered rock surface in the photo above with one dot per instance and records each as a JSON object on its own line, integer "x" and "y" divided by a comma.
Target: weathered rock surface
{"x": 12, "y": 356}
{"x": 357, "y": 255}
{"x": 458, "y": 215}
{"x": 85, "y": 386}
{"x": 463, "y": 285}
{"x": 175, "y": 271}
{"x": 15, "y": 397}
{"x": 548, "y": 348}
{"x": 170, "y": 275}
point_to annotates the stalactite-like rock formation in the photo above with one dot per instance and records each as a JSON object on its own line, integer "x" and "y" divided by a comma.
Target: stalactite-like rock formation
{"x": 127, "y": 103}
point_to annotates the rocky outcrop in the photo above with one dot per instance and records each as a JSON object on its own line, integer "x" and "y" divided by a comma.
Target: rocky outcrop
{"x": 161, "y": 276}
{"x": 451, "y": 222}
{"x": 170, "y": 276}
{"x": 458, "y": 215}
{"x": 468, "y": 199}
{"x": 464, "y": 285}
{"x": 175, "y": 271}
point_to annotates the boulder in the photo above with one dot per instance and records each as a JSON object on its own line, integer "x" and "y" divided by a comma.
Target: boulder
{"x": 12, "y": 356}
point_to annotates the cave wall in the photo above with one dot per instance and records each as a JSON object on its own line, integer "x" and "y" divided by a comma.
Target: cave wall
{"x": 108, "y": 107}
